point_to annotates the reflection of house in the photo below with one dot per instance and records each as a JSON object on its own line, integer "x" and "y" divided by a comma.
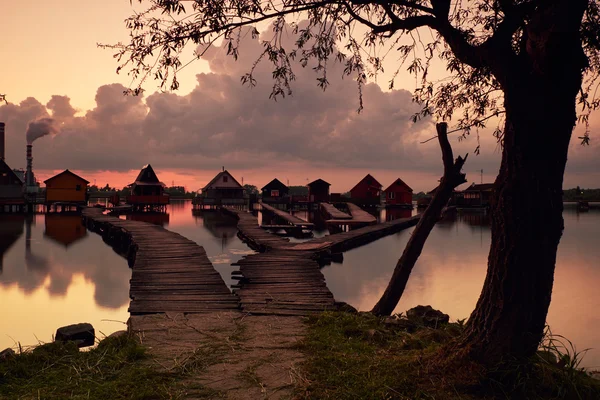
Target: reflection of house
{"x": 397, "y": 213}
{"x": 64, "y": 229}
{"x": 477, "y": 195}
{"x": 147, "y": 192}
{"x": 220, "y": 225}
{"x": 274, "y": 191}
{"x": 398, "y": 193}
{"x": 66, "y": 187}
{"x": 223, "y": 189}
{"x": 11, "y": 190}
{"x": 318, "y": 191}
{"x": 11, "y": 228}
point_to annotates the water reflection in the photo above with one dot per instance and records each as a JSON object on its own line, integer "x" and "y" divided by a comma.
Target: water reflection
{"x": 56, "y": 273}
{"x": 221, "y": 226}
{"x": 450, "y": 273}
{"x": 11, "y": 228}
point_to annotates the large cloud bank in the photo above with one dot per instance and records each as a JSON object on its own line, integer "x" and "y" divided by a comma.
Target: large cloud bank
{"x": 221, "y": 122}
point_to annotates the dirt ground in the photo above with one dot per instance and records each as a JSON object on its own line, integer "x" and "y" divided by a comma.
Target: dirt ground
{"x": 229, "y": 355}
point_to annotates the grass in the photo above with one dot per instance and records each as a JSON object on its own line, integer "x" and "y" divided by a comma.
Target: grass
{"x": 118, "y": 368}
{"x": 357, "y": 356}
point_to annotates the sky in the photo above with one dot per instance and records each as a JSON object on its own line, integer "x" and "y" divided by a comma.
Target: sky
{"x": 52, "y": 66}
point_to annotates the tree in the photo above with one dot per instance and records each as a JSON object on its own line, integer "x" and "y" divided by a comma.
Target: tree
{"x": 529, "y": 62}
{"x": 452, "y": 178}
{"x": 251, "y": 189}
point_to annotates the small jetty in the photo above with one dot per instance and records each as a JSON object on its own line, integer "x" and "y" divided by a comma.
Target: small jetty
{"x": 170, "y": 272}
{"x": 285, "y": 278}
{"x": 359, "y": 215}
{"x": 333, "y": 213}
{"x": 289, "y": 218}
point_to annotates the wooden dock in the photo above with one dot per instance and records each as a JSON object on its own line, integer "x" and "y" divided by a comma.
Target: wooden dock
{"x": 359, "y": 215}
{"x": 170, "y": 272}
{"x": 334, "y": 213}
{"x": 285, "y": 278}
{"x": 289, "y": 218}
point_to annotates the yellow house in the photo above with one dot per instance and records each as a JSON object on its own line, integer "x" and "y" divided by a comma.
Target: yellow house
{"x": 66, "y": 187}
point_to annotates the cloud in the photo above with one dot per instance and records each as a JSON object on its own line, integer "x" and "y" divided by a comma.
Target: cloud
{"x": 220, "y": 122}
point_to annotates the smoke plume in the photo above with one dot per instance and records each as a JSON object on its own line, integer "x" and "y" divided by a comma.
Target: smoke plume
{"x": 41, "y": 127}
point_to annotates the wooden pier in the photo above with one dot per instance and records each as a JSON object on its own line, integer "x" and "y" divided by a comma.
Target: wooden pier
{"x": 289, "y": 218}
{"x": 170, "y": 273}
{"x": 334, "y": 213}
{"x": 359, "y": 215}
{"x": 285, "y": 278}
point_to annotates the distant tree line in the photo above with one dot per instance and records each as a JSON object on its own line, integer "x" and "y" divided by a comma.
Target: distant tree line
{"x": 579, "y": 194}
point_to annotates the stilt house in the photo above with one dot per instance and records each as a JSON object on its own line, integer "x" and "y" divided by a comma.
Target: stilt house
{"x": 66, "y": 187}
{"x": 275, "y": 192}
{"x": 11, "y": 190}
{"x": 318, "y": 191}
{"x": 367, "y": 191}
{"x": 223, "y": 189}
{"x": 398, "y": 194}
{"x": 147, "y": 191}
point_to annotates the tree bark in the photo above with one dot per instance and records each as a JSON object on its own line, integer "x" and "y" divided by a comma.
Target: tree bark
{"x": 451, "y": 179}
{"x": 526, "y": 209}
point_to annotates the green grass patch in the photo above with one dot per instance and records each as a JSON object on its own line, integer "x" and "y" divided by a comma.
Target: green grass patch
{"x": 358, "y": 356}
{"x": 118, "y": 368}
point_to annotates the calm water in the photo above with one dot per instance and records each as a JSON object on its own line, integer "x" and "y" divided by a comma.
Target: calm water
{"x": 63, "y": 274}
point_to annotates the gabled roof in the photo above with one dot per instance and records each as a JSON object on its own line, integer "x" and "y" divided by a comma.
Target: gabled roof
{"x": 479, "y": 187}
{"x": 147, "y": 175}
{"x": 398, "y": 182}
{"x": 218, "y": 178}
{"x": 374, "y": 182}
{"x": 66, "y": 172}
{"x": 319, "y": 182}
{"x": 4, "y": 168}
{"x": 274, "y": 184}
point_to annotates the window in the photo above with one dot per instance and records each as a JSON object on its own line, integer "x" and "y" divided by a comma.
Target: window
{"x": 274, "y": 193}
{"x": 225, "y": 178}
{"x": 391, "y": 195}
{"x": 78, "y": 188}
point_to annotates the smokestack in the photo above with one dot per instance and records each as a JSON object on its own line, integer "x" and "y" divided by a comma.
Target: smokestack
{"x": 29, "y": 173}
{"x": 2, "y": 151}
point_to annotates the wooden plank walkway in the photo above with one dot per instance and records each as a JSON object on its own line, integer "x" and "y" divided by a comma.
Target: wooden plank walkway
{"x": 285, "y": 278}
{"x": 170, "y": 272}
{"x": 277, "y": 280}
{"x": 289, "y": 218}
{"x": 333, "y": 212}
{"x": 359, "y": 215}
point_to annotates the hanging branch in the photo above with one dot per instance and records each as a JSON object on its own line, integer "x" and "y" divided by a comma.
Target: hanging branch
{"x": 452, "y": 178}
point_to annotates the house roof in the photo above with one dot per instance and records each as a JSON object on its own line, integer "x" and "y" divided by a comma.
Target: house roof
{"x": 66, "y": 172}
{"x": 482, "y": 187}
{"x": 375, "y": 183}
{"x": 398, "y": 182}
{"x": 6, "y": 169}
{"x": 217, "y": 179}
{"x": 274, "y": 184}
{"x": 319, "y": 182}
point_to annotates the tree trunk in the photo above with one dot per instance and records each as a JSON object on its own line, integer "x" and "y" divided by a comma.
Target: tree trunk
{"x": 451, "y": 179}
{"x": 526, "y": 208}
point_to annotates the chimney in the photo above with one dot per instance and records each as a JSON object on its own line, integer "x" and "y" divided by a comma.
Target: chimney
{"x": 223, "y": 169}
{"x": 2, "y": 151}
{"x": 29, "y": 173}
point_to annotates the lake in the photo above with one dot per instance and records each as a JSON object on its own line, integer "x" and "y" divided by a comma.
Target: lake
{"x": 54, "y": 273}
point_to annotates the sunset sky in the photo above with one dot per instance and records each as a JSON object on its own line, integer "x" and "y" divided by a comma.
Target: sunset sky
{"x": 52, "y": 66}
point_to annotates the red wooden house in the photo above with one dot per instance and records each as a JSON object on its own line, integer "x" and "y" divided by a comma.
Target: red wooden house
{"x": 318, "y": 191}
{"x": 367, "y": 191}
{"x": 398, "y": 193}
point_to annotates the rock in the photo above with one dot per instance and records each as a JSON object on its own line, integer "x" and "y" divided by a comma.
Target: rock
{"x": 117, "y": 334}
{"x": 7, "y": 353}
{"x": 82, "y": 334}
{"x": 428, "y": 316}
{"x": 345, "y": 307}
